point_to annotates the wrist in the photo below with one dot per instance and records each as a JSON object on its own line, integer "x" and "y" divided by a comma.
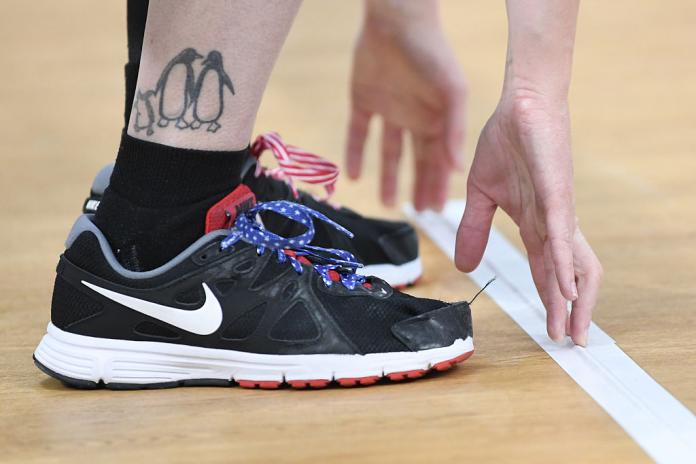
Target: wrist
{"x": 539, "y": 73}
{"x": 522, "y": 110}
{"x": 541, "y": 39}
{"x": 546, "y": 92}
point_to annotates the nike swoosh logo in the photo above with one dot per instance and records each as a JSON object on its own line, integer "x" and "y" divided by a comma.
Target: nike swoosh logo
{"x": 202, "y": 321}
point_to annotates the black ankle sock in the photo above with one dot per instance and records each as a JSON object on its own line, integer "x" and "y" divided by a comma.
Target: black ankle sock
{"x": 136, "y": 17}
{"x": 158, "y": 197}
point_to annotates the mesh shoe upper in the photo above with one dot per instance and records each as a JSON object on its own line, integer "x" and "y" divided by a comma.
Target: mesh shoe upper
{"x": 267, "y": 306}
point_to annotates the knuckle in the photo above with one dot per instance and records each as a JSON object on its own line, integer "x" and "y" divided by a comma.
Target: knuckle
{"x": 453, "y": 83}
{"x": 459, "y": 87}
{"x": 594, "y": 274}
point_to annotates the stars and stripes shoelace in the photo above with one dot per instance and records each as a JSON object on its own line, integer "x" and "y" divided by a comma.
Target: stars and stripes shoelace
{"x": 294, "y": 163}
{"x": 330, "y": 263}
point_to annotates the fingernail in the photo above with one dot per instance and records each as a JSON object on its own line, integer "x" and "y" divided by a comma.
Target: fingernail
{"x": 575, "y": 290}
{"x": 581, "y": 339}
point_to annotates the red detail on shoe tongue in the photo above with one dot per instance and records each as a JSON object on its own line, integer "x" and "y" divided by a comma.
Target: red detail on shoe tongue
{"x": 302, "y": 259}
{"x": 334, "y": 275}
{"x": 223, "y": 213}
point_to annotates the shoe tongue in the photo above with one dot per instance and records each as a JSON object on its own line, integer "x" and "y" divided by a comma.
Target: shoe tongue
{"x": 248, "y": 168}
{"x": 223, "y": 213}
{"x": 265, "y": 188}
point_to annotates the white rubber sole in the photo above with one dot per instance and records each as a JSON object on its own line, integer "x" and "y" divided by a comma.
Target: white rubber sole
{"x": 395, "y": 275}
{"x": 85, "y": 359}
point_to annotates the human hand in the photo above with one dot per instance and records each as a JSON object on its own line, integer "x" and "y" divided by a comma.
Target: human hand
{"x": 523, "y": 165}
{"x": 405, "y": 72}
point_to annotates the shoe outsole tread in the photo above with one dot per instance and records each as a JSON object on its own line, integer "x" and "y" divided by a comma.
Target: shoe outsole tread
{"x": 258, "y": 384}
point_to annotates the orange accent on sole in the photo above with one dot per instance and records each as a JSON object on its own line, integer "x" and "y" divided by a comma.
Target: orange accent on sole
{"x": 263, "y": 384}
{"x": 356, "y": 381}
{"x": 320, "y": 383}
{"x": 414, "y": 374}
{"x": 449, "y": 364}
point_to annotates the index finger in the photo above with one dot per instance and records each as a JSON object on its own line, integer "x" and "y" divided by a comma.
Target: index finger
{"x": 355, "y": 145}
{"x": 455, "y": 128}
{"x": 559, "y": 226}
{"x": 589, "y": 275}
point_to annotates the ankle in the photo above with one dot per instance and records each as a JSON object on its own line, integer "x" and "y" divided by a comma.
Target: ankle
{"x": 158, "y": 197}
{"x": 158, "y": 176}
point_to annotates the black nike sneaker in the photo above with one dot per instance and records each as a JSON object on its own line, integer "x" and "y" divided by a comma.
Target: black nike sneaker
{"x": 388, "y": 249}
{"x": 240, "y": 305}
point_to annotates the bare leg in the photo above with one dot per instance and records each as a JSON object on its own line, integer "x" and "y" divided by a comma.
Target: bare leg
{"x": 206, "y": 63}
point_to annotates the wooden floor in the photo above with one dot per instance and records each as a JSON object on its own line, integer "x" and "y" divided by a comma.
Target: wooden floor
{"x": 634, "y": 115}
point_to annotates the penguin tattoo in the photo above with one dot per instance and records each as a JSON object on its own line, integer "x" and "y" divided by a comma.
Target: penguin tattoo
{"x": 144, "y": 112}
{"x": 209, "y": 92}
{"x": 175, "y": 88}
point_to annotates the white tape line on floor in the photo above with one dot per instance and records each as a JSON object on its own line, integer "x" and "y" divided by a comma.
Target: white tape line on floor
{"x": 657, "y": 421}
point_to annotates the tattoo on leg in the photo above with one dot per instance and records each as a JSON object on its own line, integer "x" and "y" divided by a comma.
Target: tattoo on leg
{"x": 181, "y": 98}
{"x": 144, "y": 112}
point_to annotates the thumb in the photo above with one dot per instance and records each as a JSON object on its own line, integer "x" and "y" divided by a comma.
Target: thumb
{"x": 474, "y": 229}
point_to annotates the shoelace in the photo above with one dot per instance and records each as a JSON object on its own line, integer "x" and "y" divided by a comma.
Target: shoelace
{"x": 295, "y": 164}
{"x": 327, "y": 262}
